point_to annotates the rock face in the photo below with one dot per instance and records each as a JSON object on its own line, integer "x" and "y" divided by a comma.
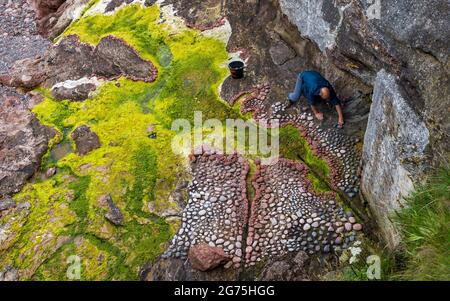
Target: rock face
{"x": 7, "y": 204}
{"x": 85, "y": 140}
{"x": 408, "y": 40}
{"x": 398, "y": 137}
{"x": 23, "y": 142}
{"x": 287, "y": 268}
{"x": 110, "y": 59}
{"x": 281, "y": 53}
{"x": 204, "y": 257}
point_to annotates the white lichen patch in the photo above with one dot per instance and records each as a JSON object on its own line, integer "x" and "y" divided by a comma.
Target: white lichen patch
{"x": 71, "y": 84}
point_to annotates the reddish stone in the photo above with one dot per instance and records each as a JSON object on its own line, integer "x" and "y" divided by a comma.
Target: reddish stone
{"x": 204, "y": 257}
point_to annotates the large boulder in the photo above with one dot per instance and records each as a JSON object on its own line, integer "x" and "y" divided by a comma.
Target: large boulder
{"x": 394, "y": 155}
{"x": 204, "y": 257}
{"x": 23, "y": 142}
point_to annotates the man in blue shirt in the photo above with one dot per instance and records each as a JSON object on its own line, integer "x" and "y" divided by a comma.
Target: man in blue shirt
{"x": 316, "y": 88}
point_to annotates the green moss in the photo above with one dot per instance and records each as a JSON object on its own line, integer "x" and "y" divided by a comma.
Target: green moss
{"x": 293, "y": 146}
{"x": 133, "y": 168}
{"x": 318, "y": 185}
{"x": 250, "y": 189}
{"x": 143, "y": 189}
{"x": 49, "y": 215}
{"x": 95, "y": 262}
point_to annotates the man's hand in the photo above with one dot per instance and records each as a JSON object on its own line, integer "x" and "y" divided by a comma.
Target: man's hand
{"x": 319, "y": 116}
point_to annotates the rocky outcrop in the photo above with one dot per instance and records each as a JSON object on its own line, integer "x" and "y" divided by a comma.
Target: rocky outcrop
{"x": 409, "y": 124}
{"x": 85, "y": 140}
{"x": 68, "y": 66}
{"x": 176, "y": 269}
{"x": 23, "y": 142}
{"x": 288, "y": 268}
{"x": 395, "y": 152}
{"x": 54, "y": 16}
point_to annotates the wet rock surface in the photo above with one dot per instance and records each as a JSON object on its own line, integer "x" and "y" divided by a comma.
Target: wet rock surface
{"x": 287, "y": 268}
{"x": 110, "y": 59}
{"x": 112, "y": 5}
{"x": 203, "y": 14}
{"x": 23, "y": 142}
{"x": 77, "y": 93}
{"x": 6, "y": 204}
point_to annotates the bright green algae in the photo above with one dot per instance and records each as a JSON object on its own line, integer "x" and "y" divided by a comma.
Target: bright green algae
{"x": 65, "y": 216}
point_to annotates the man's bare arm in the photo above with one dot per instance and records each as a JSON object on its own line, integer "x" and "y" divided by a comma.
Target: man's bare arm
{"x": 340, "y": 114}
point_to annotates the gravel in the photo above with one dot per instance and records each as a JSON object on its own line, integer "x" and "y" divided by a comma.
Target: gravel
{"x": 18, "y": 39}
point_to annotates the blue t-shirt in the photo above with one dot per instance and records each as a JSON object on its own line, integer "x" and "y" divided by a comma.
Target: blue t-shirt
{"x": 312, "y": 82}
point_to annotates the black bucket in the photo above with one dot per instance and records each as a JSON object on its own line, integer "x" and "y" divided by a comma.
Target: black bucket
{"x": 236, "y": 69}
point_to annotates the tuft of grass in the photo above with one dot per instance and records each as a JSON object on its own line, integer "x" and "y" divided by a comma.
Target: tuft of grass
{"x": 425, "y": 228}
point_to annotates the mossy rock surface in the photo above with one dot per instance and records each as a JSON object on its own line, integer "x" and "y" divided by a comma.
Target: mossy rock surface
{"x": 65, "y": 217}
